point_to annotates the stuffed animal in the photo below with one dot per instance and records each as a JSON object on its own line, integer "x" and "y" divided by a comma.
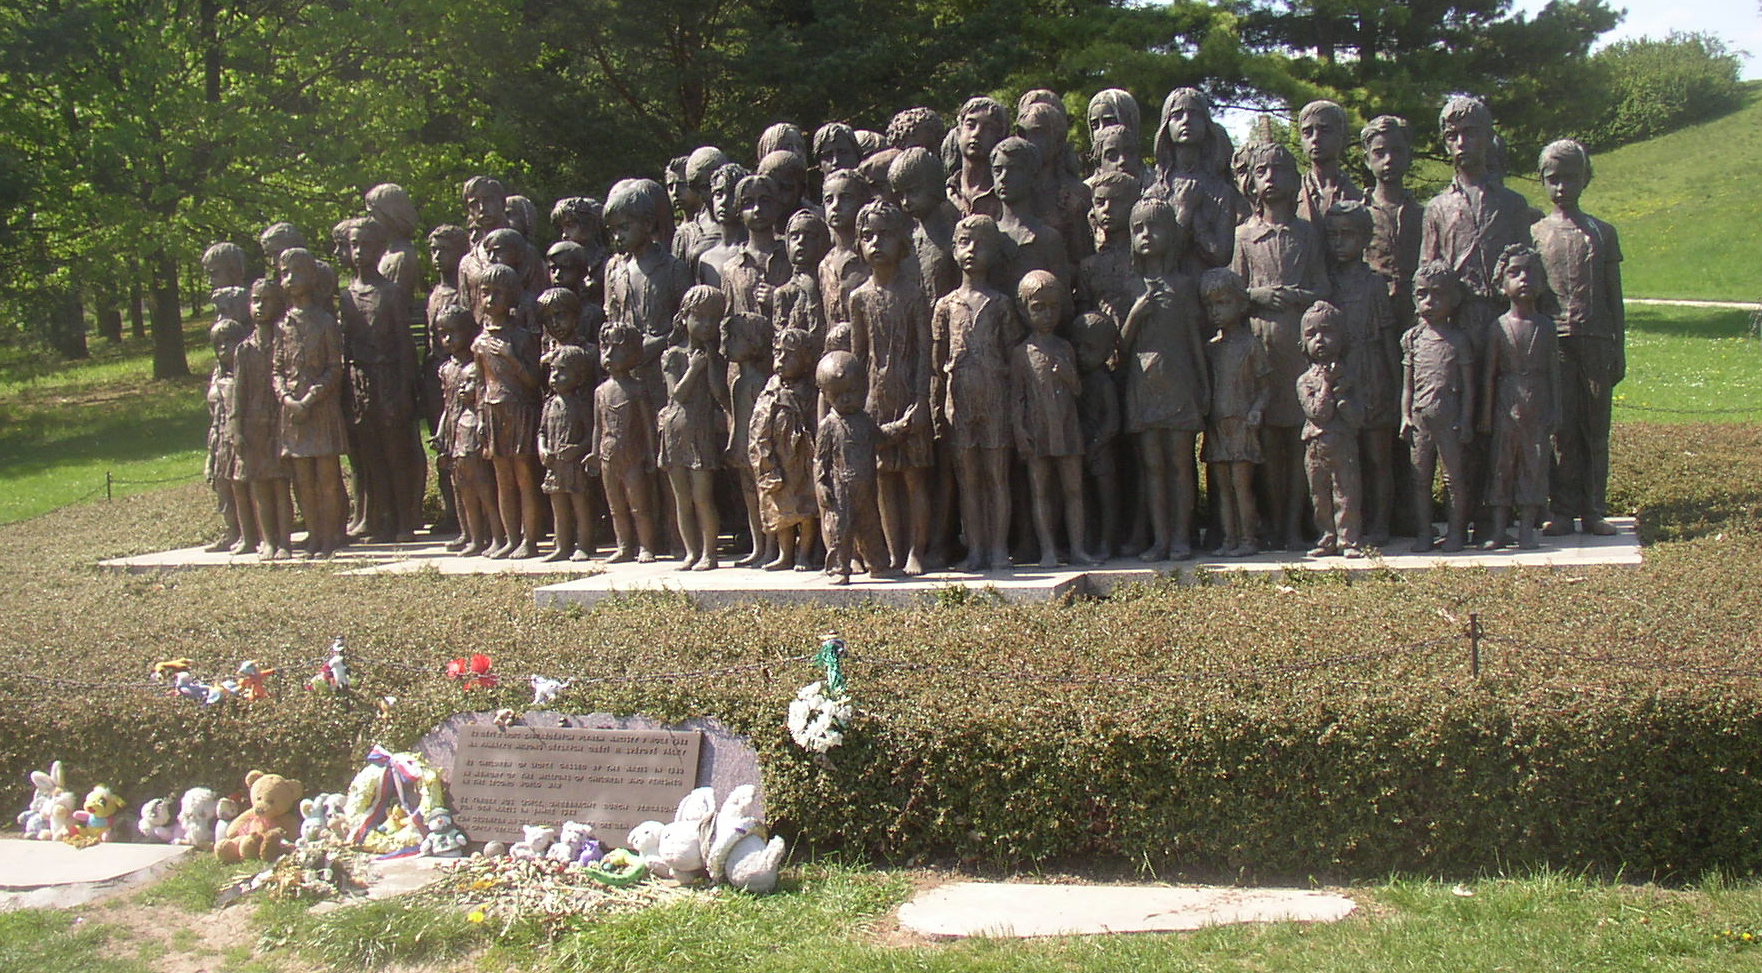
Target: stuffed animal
{"x": 195, "y": 818}
{"x": 683, "y": 842}
{"x": 225, "y": 811}
{"x": 333, "y": 676}
{"x": 313, "y": 828}
{"x": 60, "y": 814}
{"x": 93, "y": 823}
{"x": 444, "y": 839}
{"x": 537, "y": 841}
{"x": 545, "y": 689}
{"x": 591, "y": 851}
{"x": 645, "y": 841}
{"x": 262, "y": 830}
{"x": 570, "y": 840}
{"x": 739, "y": 854}
{"x": 35, "y": 818}
{"x": 253, "y": 677}
{"x": 156, "y": 823}
{"x": 165, "y": 669}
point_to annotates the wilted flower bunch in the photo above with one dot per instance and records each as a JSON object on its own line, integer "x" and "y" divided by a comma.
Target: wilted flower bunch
{"x": 817, "y": 721}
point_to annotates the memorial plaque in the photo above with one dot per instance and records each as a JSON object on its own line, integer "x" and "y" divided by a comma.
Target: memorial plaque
{"x": 611, "y": 779}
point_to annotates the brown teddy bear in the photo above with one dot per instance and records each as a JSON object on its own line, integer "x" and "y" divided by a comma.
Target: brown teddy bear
{"x": 265, "y": 829}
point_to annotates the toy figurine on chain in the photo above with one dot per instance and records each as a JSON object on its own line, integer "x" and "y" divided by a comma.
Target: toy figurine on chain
{"x": 545, "y": 689}
{"x": 252, "y": 675}
{"x": 333, "y": 676}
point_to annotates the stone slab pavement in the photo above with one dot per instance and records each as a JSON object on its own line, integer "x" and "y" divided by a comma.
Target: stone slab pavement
{"x": 594, "y": 582}
{"x": 731, "y": 586}
{"x": 1022, "y": 910}
{"x": 56, "y": 875}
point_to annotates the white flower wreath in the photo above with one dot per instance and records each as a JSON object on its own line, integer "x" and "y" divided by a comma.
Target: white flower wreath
{"x": 816, "y": 721}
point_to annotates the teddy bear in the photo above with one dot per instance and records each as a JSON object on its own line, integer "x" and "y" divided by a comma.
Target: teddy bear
{"x": 49, "y": 786}
{"x": 444, "y": 839}
{"x": 739, "y": 854}
{"x": 570, "y": 839}
{"x": 262, "y": 831}
{"x": 537, "y": 841}
{"x": 195, "y": 818}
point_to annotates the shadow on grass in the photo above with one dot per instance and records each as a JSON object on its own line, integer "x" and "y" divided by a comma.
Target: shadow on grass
{"x": 1702, "y": 323}
{"x": 24, "y": 451}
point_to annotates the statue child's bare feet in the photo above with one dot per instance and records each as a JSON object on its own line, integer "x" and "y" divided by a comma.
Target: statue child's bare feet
{"x": 914, "y": 567}
{"x": 473, "y": 549}
{"x": 525, "y": 550}
{"x": 837, "y": 577}
{"x": 224, "y": 544}
{"x": 1598, "y": 527}
{"x": 705, "y": 563}
{"x": 1154, "y": 553}
{"x": 500, "y": 551}
{"x": 1452, "y": 543}
{"x": 580, "y": 555}
{"x": 1084, "y": 557}
{"x": 458, "y": 544}
{"x": 560, "y": 554}
{"x": 1421, "y": 545}
{"x": 645, "y": 556}
{"x": 621, "y": 555}
{"x": 1049, "y": 561}
{"x": 751, "y": 559}
{"x": 780, "y": 564}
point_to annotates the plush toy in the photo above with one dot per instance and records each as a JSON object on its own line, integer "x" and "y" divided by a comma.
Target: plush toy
{"x": 166, "y": 669}
{"x": 739, "y": 854}
{"x": 35, "y": 818}
{"x": 570, "y": 840}
{"x": 312, "y": 823}
{"x": 93, "y": 823}
{"x": 333, "y": 676}
{"x": 592, "y": 850}
{"x": 252, "y": 676}
{"x": 195, "y": 818}
{"x": 262, "y": 830}
{"x": 619, "y": 868}
{"x": 537, "y": 841}
{"x": 444, "y": 839}
{"x": 683, "y": 842}
{"x": 545, "y": 689}
{"x": 60, "y": 814}
{"x": 226, "y": 810}
{"x": 645, "y": 841}
{"x": 156, "y": 823}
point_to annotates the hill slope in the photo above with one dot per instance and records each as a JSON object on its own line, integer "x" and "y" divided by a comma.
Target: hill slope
{"x": 1687, "y": 206}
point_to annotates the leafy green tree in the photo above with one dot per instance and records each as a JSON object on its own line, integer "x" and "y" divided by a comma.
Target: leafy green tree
{"x": 1654, "y": 86}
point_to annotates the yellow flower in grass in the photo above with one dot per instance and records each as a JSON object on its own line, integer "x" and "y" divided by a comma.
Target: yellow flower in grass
{"x": 475, "y": 915}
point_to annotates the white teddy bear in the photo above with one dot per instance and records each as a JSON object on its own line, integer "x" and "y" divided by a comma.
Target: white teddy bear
{"x": 569, "y": 842}
{"x": 739, "y": 854}
{"x": 537, "y": 841}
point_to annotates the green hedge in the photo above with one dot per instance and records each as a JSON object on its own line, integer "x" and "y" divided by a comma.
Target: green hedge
{"x": 1315, "y": 724}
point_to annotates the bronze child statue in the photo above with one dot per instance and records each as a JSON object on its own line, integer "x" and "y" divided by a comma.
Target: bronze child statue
{"x": 1373, "y": 355}
{"x": 223, "y": 443}
{"x": 844, "y": 469}
{"x": 563, "y": 432}
{"x": 781, "y": 441}
{"x": 1520, "y": 399}
{"x": 973, "y": 328}
{"x": 693, "y": 425}
{"x": 1437, "y": 401}
{"x": 509, "y": 403}
{"x": 623, "y": 443}
{"x": 257, "y": 415}
{"x": 308, "y": 379}
{"x": 1583, "y": 258}
{"x": 1049, "y": 434}
{"x": 1241, "y": 387}
{"x": 458, "y": 437}
{"x": 1332, "y": 416}
{"x": 1323, "y": 125}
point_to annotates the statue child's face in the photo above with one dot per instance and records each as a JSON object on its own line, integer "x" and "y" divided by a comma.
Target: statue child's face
{"x": 559, "y": 324}
{"x": 702, "y": 326}
{"x": 1152, "y": 238}
{"x": 1101, "y": 115}
{"x": 843, "y": 198}
{"x": 1468, "y": 142}
{"x": 1565, "y": 181}
{"x": 1113, "y": 156}
{"x": 795, "y": 361}
{"x": 881, "y": 245}
{"x": 1112, "y": 209}
{"x": 485, "y": 212}
{"x": 919, "y": 199}
{"x": 446, "y": 256}
{"x": 1324, "y": 138}
{"x": 364, "y": 251}
{"x": 804, "y": 247}
{"x": 1321, "y": 342}
{"x": 758, "y": 209}
{"x": 980, "y": 134}
{"x": 838, "y": 154}
{"x": 846, "y": 392}
{"x": 567, "y": 375}
{"x": 224, "y": 349}
{"x": 1276, "y": 178}
{"x": 974, "y": 253}
{"x": 505, "y": 252}
{"x": 677, "y": 190}
{"x": 264, "y": 309}
{"x": 1043, "y": 310}
{"x": 630, "y": 231}
{"x": 621, "y": 355}
{"x": 1188, "y": 122}
{"x": 455, "y": 336}
{"x": 1346, "y": 241}
{"x": 566, "y": 273}
{"x": 1435, "y": 301}
{"x": 1225, "y": 308}
{"x": 497, "y": 303}
{"x": 724, "y": 204}
{"x": 1522, "y": 280}
{"x": 298, "y": 278}
{"x": 1095, "y": 345}
{"x": 1011, "y": 177}
{"x": 1388, "y": 158}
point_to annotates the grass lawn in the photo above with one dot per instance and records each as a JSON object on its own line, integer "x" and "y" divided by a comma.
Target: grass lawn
{"x": 64, "y": 425}
{"x": 838, "y": 918}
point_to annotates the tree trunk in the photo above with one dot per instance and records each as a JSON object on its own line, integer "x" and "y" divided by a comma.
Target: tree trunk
{"x": 169, "y": 360}
{"x": 67, "y": 326}
{"x": 137, "y": 314}
{"x": 109, "y": 316}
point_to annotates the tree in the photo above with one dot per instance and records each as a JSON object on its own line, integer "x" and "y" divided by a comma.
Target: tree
{"x": 1656, "y": 86}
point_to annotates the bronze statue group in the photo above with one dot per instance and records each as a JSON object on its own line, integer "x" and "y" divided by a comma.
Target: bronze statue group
{"x": 947, "y": 344}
